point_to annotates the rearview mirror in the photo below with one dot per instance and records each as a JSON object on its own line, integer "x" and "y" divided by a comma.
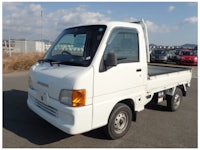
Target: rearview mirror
{"x": 111, "y": 60}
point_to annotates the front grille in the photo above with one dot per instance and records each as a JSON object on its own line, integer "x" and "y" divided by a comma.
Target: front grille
{"x": 189, "y": 61}
{"x": 50, "y": 110}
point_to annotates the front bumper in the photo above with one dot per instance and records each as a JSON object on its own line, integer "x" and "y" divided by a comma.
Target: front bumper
{"x": 159, "y": 59}
{"x": 188, "y": 62}
{"x": 68, "y": 119}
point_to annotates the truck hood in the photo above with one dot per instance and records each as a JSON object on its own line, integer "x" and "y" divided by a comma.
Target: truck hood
{"x": 52, "y": 79}
{"x": 59, "y": 71}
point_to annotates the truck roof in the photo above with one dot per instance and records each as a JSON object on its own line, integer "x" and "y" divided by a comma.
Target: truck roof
{"x": 120, "y": 23}
{"x": 112, "y": 23}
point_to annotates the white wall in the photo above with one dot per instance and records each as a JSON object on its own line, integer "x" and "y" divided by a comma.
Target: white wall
{"x": 27, "y": 46}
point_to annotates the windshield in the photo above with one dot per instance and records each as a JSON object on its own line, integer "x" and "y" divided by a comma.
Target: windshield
{"x": 161, "y": 52}
{"x": 76, "y": 46}
{"x": 188, "y": 53}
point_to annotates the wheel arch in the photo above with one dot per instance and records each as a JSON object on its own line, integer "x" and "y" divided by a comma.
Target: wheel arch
{"x": 171, "y": 91}
{"x": 183, "y": 89}
{"x": 130, "y": 103}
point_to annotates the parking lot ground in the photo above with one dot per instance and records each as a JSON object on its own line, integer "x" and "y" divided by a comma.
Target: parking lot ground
{"x": 155, "y": 126}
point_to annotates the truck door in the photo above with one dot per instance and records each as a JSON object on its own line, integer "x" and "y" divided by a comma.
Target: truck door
{"x": 123, "y": 80}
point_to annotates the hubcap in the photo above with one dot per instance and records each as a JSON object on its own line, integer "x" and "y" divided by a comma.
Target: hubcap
{"x": 121, "y": 122}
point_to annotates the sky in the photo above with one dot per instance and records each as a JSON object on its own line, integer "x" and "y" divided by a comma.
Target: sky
{"x": 169, "y": 23}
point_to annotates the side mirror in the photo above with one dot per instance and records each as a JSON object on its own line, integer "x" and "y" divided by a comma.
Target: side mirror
{"x": 111, "y": 60}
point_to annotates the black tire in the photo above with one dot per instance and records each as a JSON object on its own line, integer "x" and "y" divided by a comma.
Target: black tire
{"x": 119, "y": 121}
{"x": 174, "y": 102}
{"x": 177, "y": 62}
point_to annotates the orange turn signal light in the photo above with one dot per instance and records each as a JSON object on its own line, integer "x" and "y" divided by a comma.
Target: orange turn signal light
{"x": 78, "y": 98}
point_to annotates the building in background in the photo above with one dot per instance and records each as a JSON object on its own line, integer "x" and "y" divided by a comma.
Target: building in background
{"x": 25, "y": 46}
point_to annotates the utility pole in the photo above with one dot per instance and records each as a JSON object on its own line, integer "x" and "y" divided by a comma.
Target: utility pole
{"x": 9, "y": 47}
{"x": 41, "y": 30}
{"x": 25, "y": 46}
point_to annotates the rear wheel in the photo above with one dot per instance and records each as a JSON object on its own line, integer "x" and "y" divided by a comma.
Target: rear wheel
{"x": 174, "y": 102}
{"x": 119, "y": 121}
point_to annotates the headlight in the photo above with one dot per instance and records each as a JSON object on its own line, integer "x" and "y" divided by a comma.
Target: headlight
{"x": 74, "y": 98}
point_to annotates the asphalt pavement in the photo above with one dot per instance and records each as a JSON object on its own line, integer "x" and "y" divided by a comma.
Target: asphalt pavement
{"x": 155, "y": 127}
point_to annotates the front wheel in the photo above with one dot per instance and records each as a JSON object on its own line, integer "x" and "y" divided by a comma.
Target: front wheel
{"x": 119, "y": 121}
{"x": 174, "y": 102}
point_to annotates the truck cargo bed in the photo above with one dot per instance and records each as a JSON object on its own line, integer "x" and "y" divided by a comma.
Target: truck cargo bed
{"x": 154, "y": 70}
{"x": 166, "y": 77}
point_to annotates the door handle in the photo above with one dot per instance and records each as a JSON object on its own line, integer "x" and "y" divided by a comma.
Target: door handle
{"x": 138, "y": 70}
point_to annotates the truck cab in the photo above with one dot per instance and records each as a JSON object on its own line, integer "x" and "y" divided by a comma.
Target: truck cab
{"x": 98, "y": 75}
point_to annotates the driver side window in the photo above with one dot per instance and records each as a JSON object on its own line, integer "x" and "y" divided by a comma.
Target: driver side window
{"x": 125, "y": 44}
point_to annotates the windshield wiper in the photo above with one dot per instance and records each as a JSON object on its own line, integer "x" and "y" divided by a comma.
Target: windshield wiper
{"x": 51, "y": 61}
{"x": 70, "y": 63}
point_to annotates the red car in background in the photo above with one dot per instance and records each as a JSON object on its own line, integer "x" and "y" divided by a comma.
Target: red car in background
{"x": 188, "y": 57}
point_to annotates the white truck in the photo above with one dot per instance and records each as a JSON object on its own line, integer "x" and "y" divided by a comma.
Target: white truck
{"x": 98, "y": 76}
